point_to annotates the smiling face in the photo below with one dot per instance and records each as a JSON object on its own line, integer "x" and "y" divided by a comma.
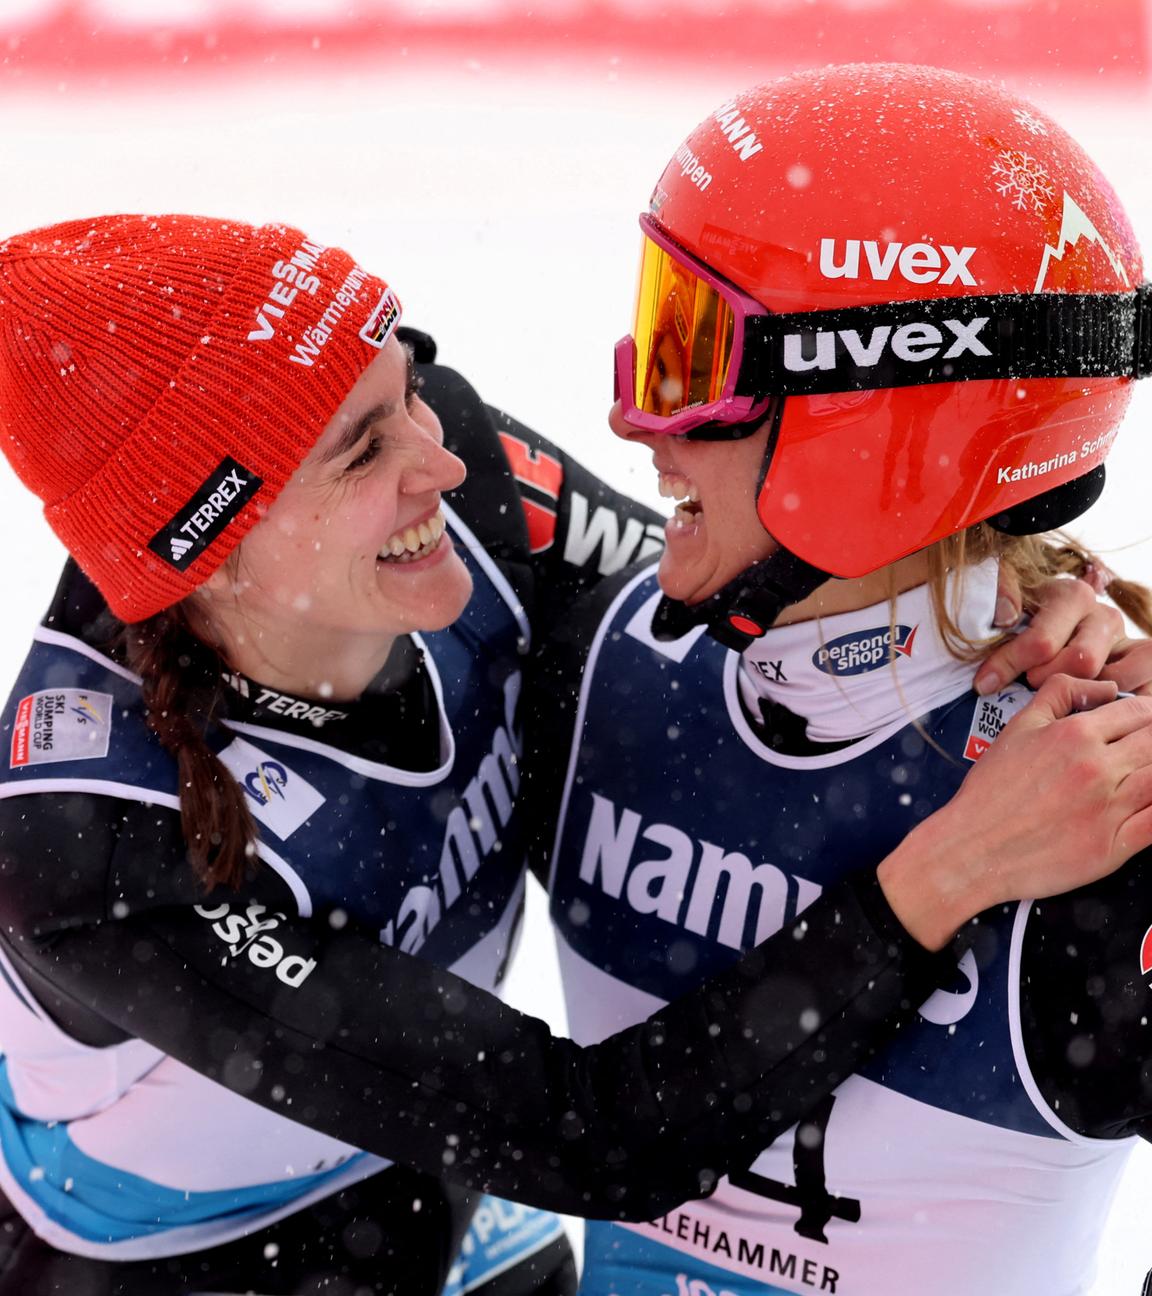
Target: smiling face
{"x": 715, "y": 533}
{"x": 353, "y": 550}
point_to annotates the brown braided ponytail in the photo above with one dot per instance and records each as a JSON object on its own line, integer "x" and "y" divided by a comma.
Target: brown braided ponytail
{"x": 182, "y": 689}
{"x": 1034, "y": 560}
{"x": 1131, "y": 597}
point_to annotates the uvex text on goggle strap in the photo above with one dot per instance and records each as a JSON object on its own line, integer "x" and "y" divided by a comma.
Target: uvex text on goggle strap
{"x": 705, "y": 353}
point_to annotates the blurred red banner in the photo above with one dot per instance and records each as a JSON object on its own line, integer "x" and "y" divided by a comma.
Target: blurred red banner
{"x": 112, "y": 38}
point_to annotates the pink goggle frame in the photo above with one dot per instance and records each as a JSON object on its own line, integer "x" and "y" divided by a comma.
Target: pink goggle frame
{"x": 727, "y": 407}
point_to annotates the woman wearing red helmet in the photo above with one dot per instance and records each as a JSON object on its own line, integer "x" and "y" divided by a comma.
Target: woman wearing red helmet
{"x": 888, "y": 321}
{"x": 261, "y": 846}
{"x": 260, "y": 843}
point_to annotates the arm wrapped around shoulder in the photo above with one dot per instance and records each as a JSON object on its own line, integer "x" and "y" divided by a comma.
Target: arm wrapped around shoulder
{"x": 397, "y": 1056}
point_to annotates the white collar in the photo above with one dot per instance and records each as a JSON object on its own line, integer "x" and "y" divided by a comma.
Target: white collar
{"x": 850, "y": 674}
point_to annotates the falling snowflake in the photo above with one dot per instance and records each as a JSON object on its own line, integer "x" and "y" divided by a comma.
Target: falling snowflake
{"x": 1020, "y": 177}
{"x": 1033, "y": 125}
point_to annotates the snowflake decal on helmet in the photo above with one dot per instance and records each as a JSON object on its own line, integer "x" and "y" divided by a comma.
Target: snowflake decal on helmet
{"x": 1032, "y": 124}
{"x": 1020, "y": 177}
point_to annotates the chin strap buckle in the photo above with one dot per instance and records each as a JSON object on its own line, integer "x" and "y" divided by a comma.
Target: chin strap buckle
{"x": 747, "y": 607}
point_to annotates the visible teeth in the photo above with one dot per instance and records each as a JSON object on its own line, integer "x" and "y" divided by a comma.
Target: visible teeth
{"x": 414, "y": 541}
{"x": 685, "y": 517}
{"x": 673, "y": 486}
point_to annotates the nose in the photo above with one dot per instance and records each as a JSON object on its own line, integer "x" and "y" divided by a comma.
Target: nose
{"x": 432, "y": 466}
{"x": 622, "y": 429}
{"x": 454, "y": 466}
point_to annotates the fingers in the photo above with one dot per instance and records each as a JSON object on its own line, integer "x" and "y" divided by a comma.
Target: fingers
{"x": 1089, "y": 649}
{"x": 1061, "y": 695}
{"x": 1131, "y": 666}
{"x": 1134, "y": 835}
{"x": 1134, "y": 793}
{"x": 1127, "y": 725}
{"x": 1009, "y": 598}
{"x": 1133, "y": 799}
{"x": 1070, "y": 633}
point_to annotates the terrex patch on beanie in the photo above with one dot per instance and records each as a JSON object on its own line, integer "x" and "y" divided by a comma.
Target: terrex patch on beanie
{"x": 162, "y": 377}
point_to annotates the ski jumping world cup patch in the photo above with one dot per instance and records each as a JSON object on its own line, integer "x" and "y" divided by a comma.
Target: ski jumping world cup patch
{"x": 61, "y": 725}
{"x": 990, "y": 716}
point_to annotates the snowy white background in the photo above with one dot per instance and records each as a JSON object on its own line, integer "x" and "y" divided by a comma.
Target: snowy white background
{"x": 501, "y": 201}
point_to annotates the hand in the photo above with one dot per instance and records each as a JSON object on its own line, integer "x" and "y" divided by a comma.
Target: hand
{"x": 1071, "y": 633}
{"x": 1130, "y": 666}
{"x": 1061, "y": 798}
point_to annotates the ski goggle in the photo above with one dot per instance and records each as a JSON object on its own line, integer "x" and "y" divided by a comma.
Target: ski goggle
{"x": 705, "y": 358}
{"x": 678, "y": 370}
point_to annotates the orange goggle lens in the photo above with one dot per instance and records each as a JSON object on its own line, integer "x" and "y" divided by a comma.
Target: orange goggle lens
{"x": 684, "y": 333}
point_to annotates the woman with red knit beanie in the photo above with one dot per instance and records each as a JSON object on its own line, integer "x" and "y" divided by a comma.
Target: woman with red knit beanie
{"x": 260, "y": 844}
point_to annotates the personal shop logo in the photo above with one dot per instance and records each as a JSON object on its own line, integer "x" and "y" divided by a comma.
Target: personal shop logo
{"x": 217, "y": 501}
{"x": 864, "y": 650}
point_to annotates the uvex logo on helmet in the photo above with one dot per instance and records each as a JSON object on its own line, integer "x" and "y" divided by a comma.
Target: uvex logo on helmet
{"x": 915, "y": 262}
{"x": 864, "y": 650}
{"x": 913, "y": 342}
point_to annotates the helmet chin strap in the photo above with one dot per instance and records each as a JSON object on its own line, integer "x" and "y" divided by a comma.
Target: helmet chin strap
{"x": 741, "y": 611}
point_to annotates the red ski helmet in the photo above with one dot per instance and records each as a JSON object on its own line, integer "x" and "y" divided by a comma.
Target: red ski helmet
{"x": 922, "y": 278}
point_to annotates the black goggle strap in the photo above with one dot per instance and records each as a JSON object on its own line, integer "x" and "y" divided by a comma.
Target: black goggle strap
{"x": 740, "y": 613}
{"x": 948, "y": 339}
{"x": 905, "y": 344}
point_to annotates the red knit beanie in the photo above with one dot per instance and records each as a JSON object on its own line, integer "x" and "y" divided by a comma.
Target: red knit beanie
{"x": 162, "y": 377}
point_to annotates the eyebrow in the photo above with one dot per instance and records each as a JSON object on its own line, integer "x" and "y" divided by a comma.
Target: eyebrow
{"x": 353, "y": 433}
